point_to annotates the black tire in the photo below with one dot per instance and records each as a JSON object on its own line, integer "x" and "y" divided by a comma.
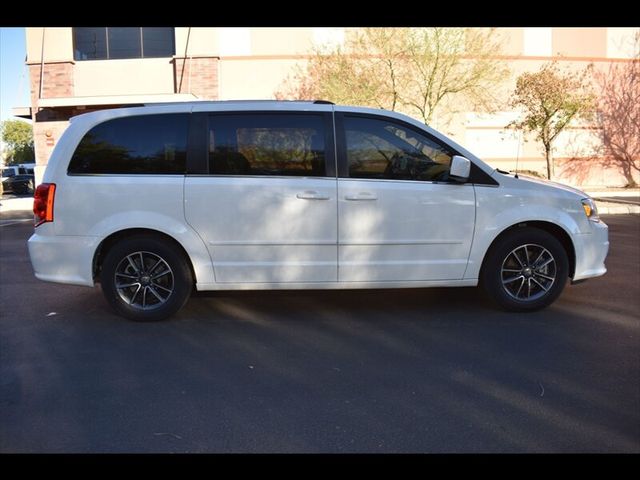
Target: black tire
{"x": 23, "y": 189}
{"x": 144, "y": 250}
{"x": 508, "y": 287}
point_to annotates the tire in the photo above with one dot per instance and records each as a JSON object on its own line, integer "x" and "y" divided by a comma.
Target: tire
{"x": 145, "y": 294}
{"x": 525, "y": 270}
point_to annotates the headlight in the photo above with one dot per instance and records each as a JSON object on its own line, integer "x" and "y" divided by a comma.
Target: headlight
{"x": 590, "y": 209}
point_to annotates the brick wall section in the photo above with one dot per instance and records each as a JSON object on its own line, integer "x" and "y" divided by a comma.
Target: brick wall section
{"x": 199, "y": 75}
{"x": 57, "y": 81}
{"x": 42, "y": 148}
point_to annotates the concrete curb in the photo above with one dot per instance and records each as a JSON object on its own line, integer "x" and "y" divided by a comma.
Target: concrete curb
{"x": 617, "y": 209}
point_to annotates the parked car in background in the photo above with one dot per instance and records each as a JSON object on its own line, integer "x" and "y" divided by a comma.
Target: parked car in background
{"x": 7, "y": 172}
{"x": 154, "y": 201}
{"x": 20, "y": 169}
{"x": 19, "y": 184}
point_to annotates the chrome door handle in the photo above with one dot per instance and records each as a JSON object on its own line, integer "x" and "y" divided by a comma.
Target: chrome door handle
{"x": 312, "y": 195}
{"x": 362, "y": 196}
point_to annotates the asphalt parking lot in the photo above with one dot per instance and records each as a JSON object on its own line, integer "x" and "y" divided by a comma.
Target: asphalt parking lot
{"x": 438, "y": 370}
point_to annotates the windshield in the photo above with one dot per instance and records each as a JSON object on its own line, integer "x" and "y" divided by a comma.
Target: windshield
{"x": 8, "y": 172}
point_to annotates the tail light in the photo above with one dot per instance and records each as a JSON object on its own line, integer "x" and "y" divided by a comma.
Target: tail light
{"x": 43, "y": 203}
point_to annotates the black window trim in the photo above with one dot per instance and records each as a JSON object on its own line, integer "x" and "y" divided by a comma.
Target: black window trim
{"x": 108, "y": 57}
{"x": 476, "y": 177}
{"x": 198, "y": 145}
{"x": 198, "y": 165}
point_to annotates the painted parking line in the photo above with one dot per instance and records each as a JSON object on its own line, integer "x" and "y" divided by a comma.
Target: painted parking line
{"x": 14, "y": 221}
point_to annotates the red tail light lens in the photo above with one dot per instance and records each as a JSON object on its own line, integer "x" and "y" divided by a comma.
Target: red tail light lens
{"x": 43, "y": 203}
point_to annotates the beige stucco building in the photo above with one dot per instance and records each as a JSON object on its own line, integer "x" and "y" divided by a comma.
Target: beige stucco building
{"x": 75, "y": 70}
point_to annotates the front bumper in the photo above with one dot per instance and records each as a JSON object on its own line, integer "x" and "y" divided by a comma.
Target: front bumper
{"x": 591, "y": 251}
{"x": 63, "y": 259}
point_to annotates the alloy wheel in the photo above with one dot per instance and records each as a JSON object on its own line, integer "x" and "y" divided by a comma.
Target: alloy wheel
{"x": 528, "y": 272}
{"x": 144, "y": 280}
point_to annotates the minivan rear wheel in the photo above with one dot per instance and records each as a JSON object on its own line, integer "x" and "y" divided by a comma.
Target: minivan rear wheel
{"x": 526, "y": 270}
{"x": 145, "y": 278}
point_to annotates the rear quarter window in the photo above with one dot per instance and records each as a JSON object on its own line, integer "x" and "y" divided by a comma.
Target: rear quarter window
{"x": 145, "y": 144}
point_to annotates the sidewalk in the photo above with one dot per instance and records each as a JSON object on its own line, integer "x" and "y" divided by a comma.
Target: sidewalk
{"x": 15, "y": 205}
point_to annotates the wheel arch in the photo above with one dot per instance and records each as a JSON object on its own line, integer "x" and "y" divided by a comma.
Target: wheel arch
{"x": 553, "y": 229}
{"x": 108, "y": 242}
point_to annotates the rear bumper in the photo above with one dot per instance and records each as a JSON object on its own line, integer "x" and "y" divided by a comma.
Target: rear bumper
{"x": 591, "y": 251}
{"x": 63, "y": 259}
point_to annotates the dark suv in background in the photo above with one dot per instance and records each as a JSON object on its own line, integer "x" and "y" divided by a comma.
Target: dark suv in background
{"x": 20, "y": 184}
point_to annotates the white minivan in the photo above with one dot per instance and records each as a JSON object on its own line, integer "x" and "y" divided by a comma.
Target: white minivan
{"x": 151, "y": 201}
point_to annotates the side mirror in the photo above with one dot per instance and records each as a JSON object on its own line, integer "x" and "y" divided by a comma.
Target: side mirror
{"x": 460, "y": 169}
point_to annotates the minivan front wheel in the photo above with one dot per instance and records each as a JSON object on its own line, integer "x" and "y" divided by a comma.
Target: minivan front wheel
{"x": 526, "y": 270}
{"x": 144, "y": 278}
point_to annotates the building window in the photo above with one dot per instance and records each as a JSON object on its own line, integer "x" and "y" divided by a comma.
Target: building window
{"x": 124, "y": 43}
{"x": 90, "y": 43}
{"x": 105, "y": 43}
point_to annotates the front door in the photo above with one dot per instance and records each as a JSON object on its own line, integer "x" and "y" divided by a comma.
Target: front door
{"x": 266, "y": 209}
{"x": 399, "y": 217}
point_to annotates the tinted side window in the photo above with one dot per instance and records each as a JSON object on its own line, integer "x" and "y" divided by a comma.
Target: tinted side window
{"x": 379, "y": 148}
{"x": 267, "y": 144}
{"x": 134, "y": 145}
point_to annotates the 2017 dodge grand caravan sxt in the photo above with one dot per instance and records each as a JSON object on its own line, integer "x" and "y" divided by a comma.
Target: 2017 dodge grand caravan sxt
{"x": 152, "y": 201}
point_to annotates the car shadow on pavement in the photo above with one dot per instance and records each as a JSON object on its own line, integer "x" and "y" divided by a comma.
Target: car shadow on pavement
{"x": 407, "y": 366}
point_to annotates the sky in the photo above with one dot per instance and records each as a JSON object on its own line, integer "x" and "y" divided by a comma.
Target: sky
{"x": 14, "y": 77}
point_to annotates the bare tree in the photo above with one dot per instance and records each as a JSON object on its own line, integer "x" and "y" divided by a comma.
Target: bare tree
{"x": 416, "y": 70}
{"x": 364, "y": 73}
{"x": 551, "y": 99}
{"x": 618, "y": 113}
{"x": 448, "y": 62}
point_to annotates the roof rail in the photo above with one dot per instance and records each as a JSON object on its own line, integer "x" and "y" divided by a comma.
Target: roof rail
{"x": 199, "y": 101}
{"x": 243, "y": 101}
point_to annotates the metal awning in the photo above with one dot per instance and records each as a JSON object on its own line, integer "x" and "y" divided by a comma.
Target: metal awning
{"x": 22, "y": 112}
{"x": 115, "y": 100}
